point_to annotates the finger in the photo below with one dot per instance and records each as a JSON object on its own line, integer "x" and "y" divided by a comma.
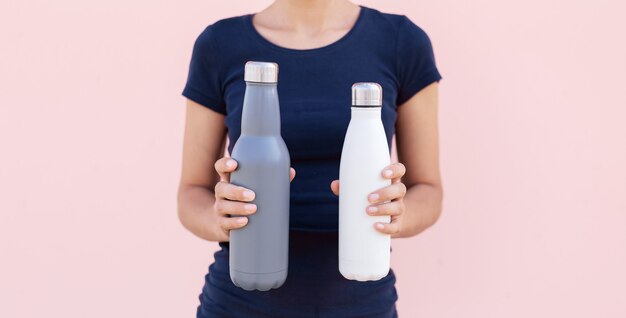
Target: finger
{"x": 334, "y": 187}
{"x": 390, "y": 192}
{"x": 224, "y": 166}
{"x": 387, "y": 228}
{"x": 225, "y": 190}
{"x": 226, "y": 207}
{"x": 231, "y": 223}
{"x": 394, "y": 171}
{"x": 389, "y": 208}
{"x": 292, "y": 174}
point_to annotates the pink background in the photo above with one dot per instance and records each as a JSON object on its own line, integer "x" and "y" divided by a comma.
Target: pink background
{"x": 533, "y": 154}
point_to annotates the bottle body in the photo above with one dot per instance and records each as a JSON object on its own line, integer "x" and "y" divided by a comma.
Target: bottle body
{"x": 364, "y": 253}
{"x": 259, "y": 251}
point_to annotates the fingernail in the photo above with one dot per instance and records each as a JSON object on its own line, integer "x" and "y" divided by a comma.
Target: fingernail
{"x": 242, "y": 220}
{"x": 249, "y": 207}
{"x": 248, "y": 194}
{"x": 388, "y": 173}
{"x": 372, "y": 209}
{"x": 373, "y": 197}
{"x": 380, "y": 226}
{"x": 230, "y": 163}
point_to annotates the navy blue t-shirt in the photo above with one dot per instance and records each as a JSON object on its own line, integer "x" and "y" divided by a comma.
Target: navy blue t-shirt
{"x": 314, "y": 88}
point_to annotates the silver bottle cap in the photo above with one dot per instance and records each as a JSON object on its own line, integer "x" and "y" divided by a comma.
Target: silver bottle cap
{"x": 261, "y": 72}
{"x": 367, "y": 94}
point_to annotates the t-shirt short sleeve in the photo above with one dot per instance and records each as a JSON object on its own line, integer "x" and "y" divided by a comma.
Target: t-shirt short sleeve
{"x": 415, "y": 61}
{"x": 204, "y": 84}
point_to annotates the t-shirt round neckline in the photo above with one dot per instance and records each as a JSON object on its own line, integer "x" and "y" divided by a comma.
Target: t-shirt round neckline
{"x": 353, "y": 30}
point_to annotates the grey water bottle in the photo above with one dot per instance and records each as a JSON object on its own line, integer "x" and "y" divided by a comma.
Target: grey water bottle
{"x": 259, "y": 250}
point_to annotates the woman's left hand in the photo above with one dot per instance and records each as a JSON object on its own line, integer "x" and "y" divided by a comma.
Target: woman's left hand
{"x": 386, "y": 201}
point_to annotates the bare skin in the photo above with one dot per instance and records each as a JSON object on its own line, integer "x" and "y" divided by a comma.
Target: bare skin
{"x": 205, "y": 196}
{"x": 306, "y": 24}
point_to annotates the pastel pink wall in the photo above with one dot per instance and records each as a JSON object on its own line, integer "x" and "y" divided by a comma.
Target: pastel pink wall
{"x": 533, "y": 155}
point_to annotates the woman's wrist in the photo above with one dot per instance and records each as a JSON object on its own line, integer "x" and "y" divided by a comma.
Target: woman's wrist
{"x": 422, "y": 209}
{"x": 195, "y": 211}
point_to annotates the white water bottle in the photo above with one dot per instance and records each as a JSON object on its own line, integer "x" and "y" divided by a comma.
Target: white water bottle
{"x": 364, "y": 252}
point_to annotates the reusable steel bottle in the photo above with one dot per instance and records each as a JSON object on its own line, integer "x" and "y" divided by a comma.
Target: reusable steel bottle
{"x": 259, "y": 250}
{"x": 364, "y": 253}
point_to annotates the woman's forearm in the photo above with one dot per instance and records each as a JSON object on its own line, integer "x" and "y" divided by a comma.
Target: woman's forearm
{"x": 423, "y": 204}
{"x": 194, "y": 211}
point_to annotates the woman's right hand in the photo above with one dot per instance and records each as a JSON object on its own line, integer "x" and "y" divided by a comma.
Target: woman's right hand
{"x": 231, "y": 199}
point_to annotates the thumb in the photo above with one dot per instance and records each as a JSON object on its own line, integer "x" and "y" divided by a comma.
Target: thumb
{"x": 334, "y": 186}
{"x": 292, "y": 174}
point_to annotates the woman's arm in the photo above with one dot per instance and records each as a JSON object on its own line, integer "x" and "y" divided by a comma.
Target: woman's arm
{"x": 203, "y": 145}
{"x": 417, "y": 143}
